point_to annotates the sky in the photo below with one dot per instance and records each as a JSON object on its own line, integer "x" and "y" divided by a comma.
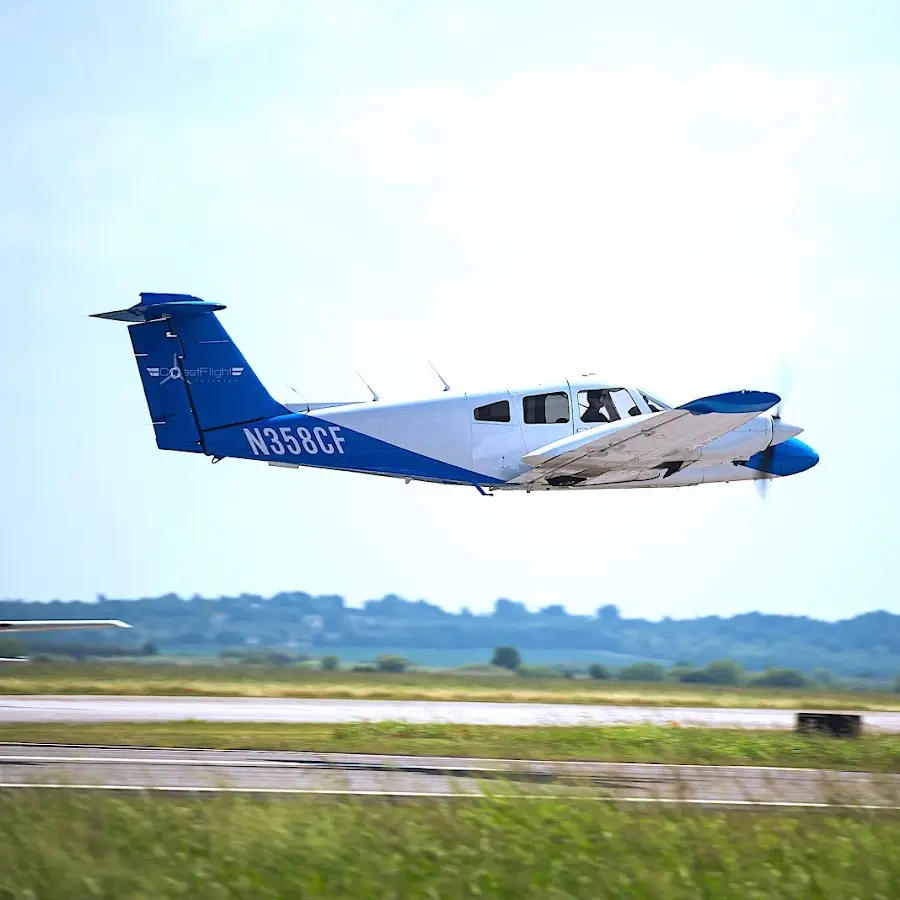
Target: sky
{"x": 690, "y": 198}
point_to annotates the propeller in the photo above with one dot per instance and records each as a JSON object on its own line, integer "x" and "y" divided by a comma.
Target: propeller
{"x": 785, "y": 380}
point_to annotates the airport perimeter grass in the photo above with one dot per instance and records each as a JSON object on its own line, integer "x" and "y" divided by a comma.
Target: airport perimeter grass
{"x": 71, "y": 845}
{"x": 293, "y": 681}
{"x": 632, "y": 743}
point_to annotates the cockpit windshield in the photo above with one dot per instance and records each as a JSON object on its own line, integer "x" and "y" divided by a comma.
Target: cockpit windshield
{"x": 655, "y": 404}
{"x": 606, "y": 405}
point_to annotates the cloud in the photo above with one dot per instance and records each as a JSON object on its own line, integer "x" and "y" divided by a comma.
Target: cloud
{"x": 621, "y": 221}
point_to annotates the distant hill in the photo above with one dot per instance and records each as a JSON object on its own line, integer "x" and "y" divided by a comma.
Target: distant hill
{"x": 867, "y": 645}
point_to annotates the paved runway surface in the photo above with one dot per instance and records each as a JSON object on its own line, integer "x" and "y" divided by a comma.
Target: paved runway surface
{"x": 242, "y": 709}
{"x": 360, "y": 774}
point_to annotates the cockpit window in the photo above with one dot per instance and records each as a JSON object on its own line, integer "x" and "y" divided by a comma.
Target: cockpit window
{"x": 654, "y": 404}
{"x": 544, "y": 409}
{"x": 606, "y": 405}
{"x": 493, "y": 412}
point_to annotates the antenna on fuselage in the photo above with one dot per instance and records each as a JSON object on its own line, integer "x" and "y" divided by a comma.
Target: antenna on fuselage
{"x": 444, "y": 383}
{"x": 369, "y": 386}
{"x": 300, "y": 396}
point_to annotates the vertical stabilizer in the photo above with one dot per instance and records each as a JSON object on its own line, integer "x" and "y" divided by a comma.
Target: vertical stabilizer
{"x": 195, "y": 379}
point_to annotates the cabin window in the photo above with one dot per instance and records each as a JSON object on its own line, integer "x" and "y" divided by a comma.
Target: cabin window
{"x": 606, "y": 405}
{"x": 546, "y": 409}
{"x": 493, "y": 412}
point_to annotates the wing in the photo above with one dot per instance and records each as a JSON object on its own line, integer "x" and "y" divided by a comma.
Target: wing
{"x": 17, "y": 625}
{"x": 635, "y": 448}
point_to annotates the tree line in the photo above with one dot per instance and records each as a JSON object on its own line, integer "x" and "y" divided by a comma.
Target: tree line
{"x": 867, "y": 645}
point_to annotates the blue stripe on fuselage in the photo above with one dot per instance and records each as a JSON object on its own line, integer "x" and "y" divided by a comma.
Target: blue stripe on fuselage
{"x": 305, "y": 440}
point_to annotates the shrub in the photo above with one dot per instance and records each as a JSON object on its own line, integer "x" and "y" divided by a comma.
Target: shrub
{"x": 388, "y": 663}
{"x": 277, "y": 658}
{"x": 537, "y": 672}
{"x": 783, "y": 678}
{"x": 723, "y": 672}
{"x": 507, "y": 658}
{"x": 645, "y": 671}
{"x": 329, "y": 663}
{"x": 598, "y": 672}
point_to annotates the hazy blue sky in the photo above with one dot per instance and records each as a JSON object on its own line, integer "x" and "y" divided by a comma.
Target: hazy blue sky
{"x": 683, "y": 196}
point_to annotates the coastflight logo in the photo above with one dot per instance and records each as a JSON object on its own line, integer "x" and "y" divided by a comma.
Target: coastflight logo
{"x": 201, "y": 373}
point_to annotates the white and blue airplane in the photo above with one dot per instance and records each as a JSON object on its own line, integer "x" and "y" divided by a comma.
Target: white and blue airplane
{"x": 578, "y": 434}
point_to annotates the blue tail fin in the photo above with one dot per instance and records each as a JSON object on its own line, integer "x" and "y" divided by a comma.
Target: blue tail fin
{"x": 195, "y": 379}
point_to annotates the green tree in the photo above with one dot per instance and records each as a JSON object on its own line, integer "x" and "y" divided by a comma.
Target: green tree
{"x": 643, "y": 671}
{"x": 598, "y": 672}
{"x": 388, "y": 663}
{"x": 897, "y": 683}
{"x": 148, "y": 648}
{"x": 329, "y": 663}
{"x": 506, "y": 658}
{"x": 783, "y": 678}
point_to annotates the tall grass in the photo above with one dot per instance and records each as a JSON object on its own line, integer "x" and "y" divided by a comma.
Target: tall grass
{"x": 71, "y": 846}
{"x": 295, "y": 681}
{"x": 622, "y": 743}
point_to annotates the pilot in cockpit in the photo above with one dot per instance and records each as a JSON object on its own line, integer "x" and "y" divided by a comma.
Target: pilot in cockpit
{"x": 596, "y": 409}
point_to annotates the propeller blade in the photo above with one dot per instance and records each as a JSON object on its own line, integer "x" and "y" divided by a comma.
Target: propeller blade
{"x": 762, "y": 488}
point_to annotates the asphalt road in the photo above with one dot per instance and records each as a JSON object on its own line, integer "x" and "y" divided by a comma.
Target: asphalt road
{"x": 24, "y": 765}
{"x": 244, "y": 709}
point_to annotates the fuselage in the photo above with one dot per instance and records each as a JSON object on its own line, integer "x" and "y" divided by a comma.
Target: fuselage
{"x": 481, "y": 438}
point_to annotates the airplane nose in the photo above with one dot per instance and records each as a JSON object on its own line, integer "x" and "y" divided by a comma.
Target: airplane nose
{"x": 782, "y": 432}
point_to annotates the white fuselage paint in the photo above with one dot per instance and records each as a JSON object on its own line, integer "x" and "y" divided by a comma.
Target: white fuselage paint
{"x": 444, "y": 428}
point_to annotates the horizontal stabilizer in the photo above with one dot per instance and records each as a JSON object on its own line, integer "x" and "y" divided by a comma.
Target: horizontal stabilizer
{"x": 158, "y": 306}
{"x": 308, "y": 407}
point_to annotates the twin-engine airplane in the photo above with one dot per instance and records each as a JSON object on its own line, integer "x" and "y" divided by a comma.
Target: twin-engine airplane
{"x": 8, "y": 626}
{"x": 578, "y": 434}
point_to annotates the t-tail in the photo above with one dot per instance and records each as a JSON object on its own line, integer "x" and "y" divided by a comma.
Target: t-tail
{"x": 195, "y": 379}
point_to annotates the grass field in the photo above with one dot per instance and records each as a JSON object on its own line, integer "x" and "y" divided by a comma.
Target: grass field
{"x": 72, "y": 846}
{"x": 642, "y": 743}
{"x": 253, "y": 681}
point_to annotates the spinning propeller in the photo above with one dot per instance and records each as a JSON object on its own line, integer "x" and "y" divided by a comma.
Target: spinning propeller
{"x": 768, "y": 455}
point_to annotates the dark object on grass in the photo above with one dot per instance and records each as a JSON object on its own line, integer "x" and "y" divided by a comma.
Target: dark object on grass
{"x": 834, "y": 724}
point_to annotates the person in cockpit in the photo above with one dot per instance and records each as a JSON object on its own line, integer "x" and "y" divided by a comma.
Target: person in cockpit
{"x": 595, "y": 411}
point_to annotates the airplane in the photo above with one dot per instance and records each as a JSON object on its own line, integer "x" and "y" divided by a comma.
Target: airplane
{"x": 578, "y": 434}
{"x": 18, "y": 626}
{"x": 15, "y": 626}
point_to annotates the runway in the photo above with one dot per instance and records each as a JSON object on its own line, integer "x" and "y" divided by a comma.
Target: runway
{"x": 72, "y": 709}
{"x": 270, "y": 772}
